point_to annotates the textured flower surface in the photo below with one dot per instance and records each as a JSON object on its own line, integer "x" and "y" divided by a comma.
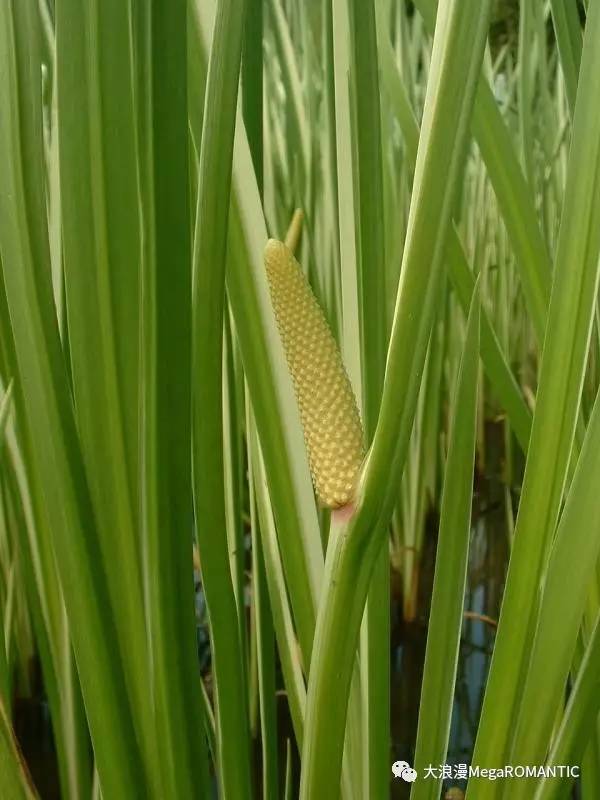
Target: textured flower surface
{"x": 328, "y": 411}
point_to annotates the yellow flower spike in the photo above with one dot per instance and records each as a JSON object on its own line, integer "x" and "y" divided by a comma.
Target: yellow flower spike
{"x": 328, "y": 411}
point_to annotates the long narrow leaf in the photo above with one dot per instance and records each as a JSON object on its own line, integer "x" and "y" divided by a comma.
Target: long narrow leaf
{"x": 579, "y": 719}
{"x": 352, "y": 552}
{"x": 160, "y": 33}
{"x": 445, "y": 619}
{"x": 49, "y": 409}
{"x": 572, "y": 563}
{"x": 561, "y": 377}
{"x": 210, "y": 240}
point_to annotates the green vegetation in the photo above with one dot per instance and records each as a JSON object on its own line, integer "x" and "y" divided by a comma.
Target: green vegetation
{"x": 446, "y": 157}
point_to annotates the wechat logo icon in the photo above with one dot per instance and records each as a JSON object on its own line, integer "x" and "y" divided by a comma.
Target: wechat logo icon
{"x": 403, "y": 770}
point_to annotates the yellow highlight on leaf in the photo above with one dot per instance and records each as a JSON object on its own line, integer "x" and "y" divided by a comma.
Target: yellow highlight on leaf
{"x": 328, "y": 411}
